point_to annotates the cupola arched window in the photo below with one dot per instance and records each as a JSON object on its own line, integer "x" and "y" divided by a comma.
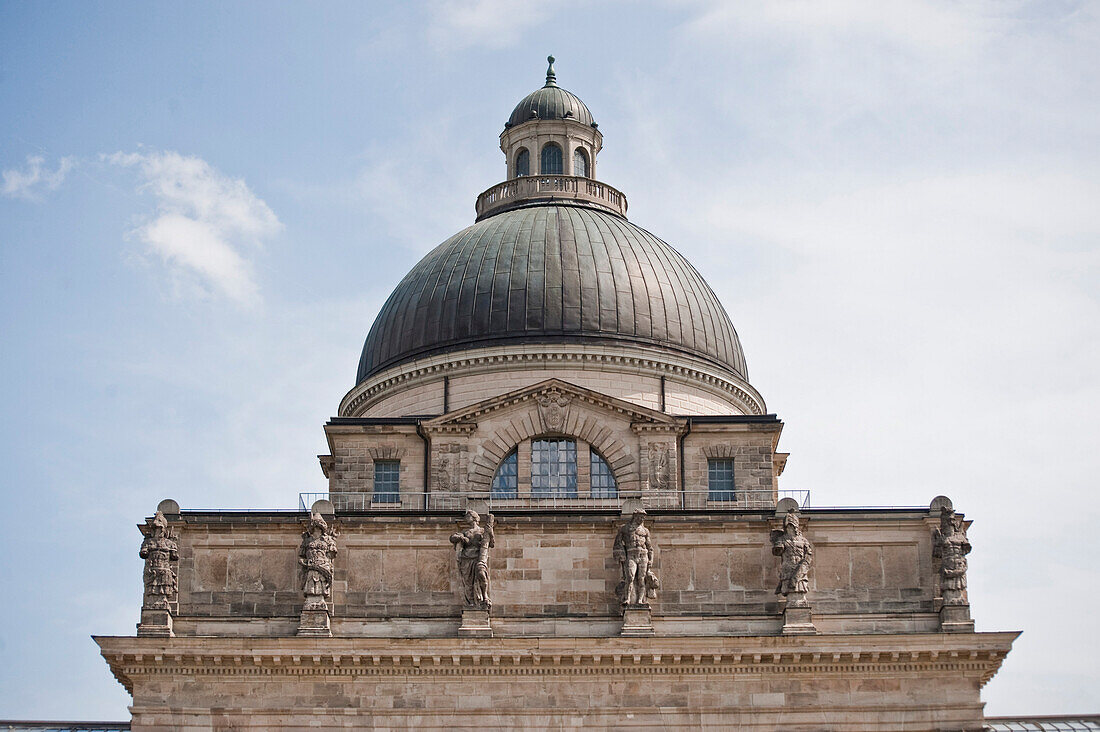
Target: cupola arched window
{"x": 506, "y": 480}
{"x": 551, "y": 159}
{"x": 553, "y": 467}
{"x": 523, "y": 162}
{"x": 603, "y": 479}
{"x": 580, "y": 163}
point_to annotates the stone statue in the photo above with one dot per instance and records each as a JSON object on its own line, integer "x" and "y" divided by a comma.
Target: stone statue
{"x": 634, "y": 551}
{"x": 950, "y": 545}
{"x": 798, "y": 556}
{"x": 159, "y": 549}
{"x": 472, "y": 555}
{"x": 659, "y": 463}
{"x": 316, "y": 555}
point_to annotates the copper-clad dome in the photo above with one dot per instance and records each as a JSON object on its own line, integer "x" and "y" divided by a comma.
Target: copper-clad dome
{"x": 551, "y": 274}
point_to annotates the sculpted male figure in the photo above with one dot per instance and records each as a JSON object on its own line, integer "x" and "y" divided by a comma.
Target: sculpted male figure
{"x": 634, "y": 551}
{"x": 316, "y": 555}
{"x": 472, "y": 555}
{"x": 950, "y": 544}
{"x": 798, "y": 555}
{"x": 159, "y": 549}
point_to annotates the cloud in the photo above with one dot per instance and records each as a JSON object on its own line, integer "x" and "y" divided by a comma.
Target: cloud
{"x": 495, "y": 24}
{"x": 31, "y": 182}
{"x": 205, "y": 222}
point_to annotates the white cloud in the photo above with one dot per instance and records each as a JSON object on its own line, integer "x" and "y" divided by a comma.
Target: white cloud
{"x": 205, "y": 222}
{"x": 459, "y": 24}
{"x": 34, "y": 179}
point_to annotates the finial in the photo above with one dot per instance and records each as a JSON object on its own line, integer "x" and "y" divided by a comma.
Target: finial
{"x": 551, "y": 77}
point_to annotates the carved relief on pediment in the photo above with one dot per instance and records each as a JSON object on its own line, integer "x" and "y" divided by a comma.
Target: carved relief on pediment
{"x": 552, "y": 409}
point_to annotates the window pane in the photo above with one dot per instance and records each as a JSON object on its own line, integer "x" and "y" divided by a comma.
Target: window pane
{"x": 387, "y": 476}
{"x": 505, "y": 482}
{"x": 720, "y": 479}
{"x": 603, "y": 480}
{"x": 580, "y": 163}
{"x": 523, "y": 163}
{"x": 554, "y": 468}
{"x": 551, "y": 160}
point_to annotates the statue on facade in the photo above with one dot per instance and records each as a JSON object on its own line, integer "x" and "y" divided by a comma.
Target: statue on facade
{"x": 633, "y": 549}
{"x": 950, "y": 545}
{"x": 798, "y": 555}
{"x": 317, "y": 555}
{"x": 159, "y": 549}
{"x": 472, "y": 555}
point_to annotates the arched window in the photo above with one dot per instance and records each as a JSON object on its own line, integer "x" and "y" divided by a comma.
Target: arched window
{"x": 551, "y": 160}
{"x": 603, "y": 479}
{"x": 523, "y": 163}
{"x": 553, "y": 467}
{"x": 505, "y": 482}
{"x": 580, "y": 163}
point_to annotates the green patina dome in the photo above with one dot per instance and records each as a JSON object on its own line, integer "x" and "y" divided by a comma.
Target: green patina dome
{"x": 551, "y": 274}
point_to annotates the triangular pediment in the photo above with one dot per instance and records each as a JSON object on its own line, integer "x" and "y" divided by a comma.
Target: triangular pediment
{"x": 553, "y": 392}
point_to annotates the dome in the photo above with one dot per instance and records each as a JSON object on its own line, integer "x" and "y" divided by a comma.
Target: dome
{"x": 551, "y": 274}
{"x": 550, "y": 102}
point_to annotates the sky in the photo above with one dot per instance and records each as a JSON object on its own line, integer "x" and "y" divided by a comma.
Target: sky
{"x": 203, "y": 206}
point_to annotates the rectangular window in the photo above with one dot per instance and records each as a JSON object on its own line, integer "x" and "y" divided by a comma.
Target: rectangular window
{"x": 387, "y": 477}
{"x": 720, "y": 479}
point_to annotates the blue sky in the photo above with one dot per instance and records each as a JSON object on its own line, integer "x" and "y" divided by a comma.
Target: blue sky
{"x": 203, "y": 205}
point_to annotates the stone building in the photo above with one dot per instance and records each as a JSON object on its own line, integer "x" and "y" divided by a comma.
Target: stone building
{"x": 553, "y": 500}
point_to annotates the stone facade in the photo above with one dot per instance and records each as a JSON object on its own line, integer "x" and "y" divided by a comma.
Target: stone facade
{"x": 471, "y": 563}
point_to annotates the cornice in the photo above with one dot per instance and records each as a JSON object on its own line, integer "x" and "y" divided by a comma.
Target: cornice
{"x": 976, "y": 655}
{"x": 476, "y": 360}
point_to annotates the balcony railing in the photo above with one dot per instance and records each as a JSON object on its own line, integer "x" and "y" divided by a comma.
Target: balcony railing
{"x": 672, "y": 500}
{"x": 577, "y": 189}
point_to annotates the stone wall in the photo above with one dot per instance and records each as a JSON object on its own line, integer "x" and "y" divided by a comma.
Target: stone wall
{"x": 245, "y": 566}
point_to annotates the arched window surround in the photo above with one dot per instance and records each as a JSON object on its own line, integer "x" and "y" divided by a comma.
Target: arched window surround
{"x": 554, "y": 465}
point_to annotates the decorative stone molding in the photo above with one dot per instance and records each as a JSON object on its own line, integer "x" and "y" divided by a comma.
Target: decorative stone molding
{"x": 551, "y": 395}
{"x": 721, "y": 450}
{"x": 386, "y": 452}
{"x": 976, "y": 656}
{"x": 484, "y": 360}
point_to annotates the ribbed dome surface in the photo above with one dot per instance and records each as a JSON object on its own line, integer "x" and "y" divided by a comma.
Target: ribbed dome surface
{"x": 551, "y": 274}
{"x": 550, "y": 102}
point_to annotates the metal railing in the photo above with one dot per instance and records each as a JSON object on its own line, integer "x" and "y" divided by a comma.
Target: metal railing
{"x": 402, "y": 501}
{"x": 541, "y": 187}
{"x": 722, "y": 500}
{"x": 691, "y": 500}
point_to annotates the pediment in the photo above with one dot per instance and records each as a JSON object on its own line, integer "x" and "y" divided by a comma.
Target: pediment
{"x": 551, "y": 397}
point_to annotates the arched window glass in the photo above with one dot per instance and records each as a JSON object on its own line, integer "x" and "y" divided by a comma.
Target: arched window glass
{"x": 523, "y": 163}
{"x": 580, "y": 163}
{"x": 603, "y": 480}
{"x": 553, "y": 468}
{"x": 551, "y": 160}
{"x": 505, "y": 482}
